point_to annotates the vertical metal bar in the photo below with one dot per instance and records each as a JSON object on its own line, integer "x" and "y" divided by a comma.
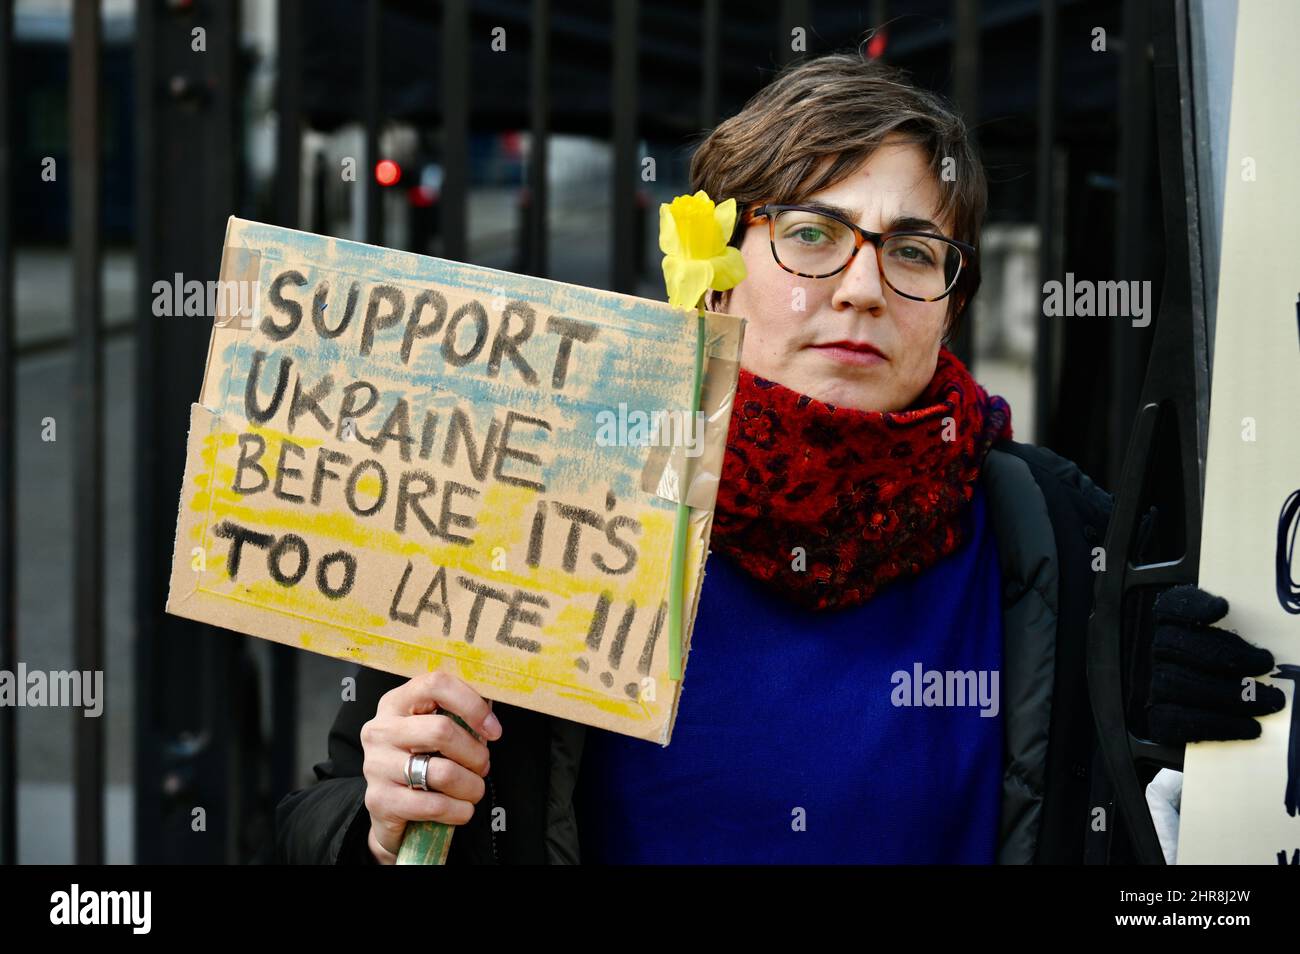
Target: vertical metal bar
{"x": 454, "y": 200}
{"x": 288, "y": 176}
{"x": 148, "y": 703}
{"x": 966, "y": 57}
{"x": 288, "y": 106}
{"x": 966, "y": 65}
{"x": 966, "y": 94}
{"x": 186, "y": 729}
{"x": 709, "y": 84}
{"x": 624, "y": 171}
{"x": 541, "y": 113}
{"x": 87, "y": 379}
{"x": 1176, "y": 390}
{"x": 879, "y": 14}
{"x": 794, "y": 13}
{"x": 8, "y": 447}
{"x": 1131, "y": 216}
{"x": 234, "y": 708}
{"x": 1047, "y": 345}
{"x": 372, "y": 104}
{"x": 1212, "y": 46}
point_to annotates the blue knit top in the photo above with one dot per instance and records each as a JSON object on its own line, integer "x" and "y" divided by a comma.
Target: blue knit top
{"x": 864, "y": 735}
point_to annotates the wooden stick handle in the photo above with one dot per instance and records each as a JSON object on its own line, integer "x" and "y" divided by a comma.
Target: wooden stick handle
{"x": 429, "y": 842}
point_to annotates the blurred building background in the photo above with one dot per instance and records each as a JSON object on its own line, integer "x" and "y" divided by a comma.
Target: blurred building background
{"x": 514, "y": 134}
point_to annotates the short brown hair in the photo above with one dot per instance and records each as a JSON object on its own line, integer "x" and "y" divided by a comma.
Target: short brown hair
{"x": 841, "y": 105}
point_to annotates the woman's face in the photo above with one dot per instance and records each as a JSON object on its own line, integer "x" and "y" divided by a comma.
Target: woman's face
{"x": 798, "y": 347}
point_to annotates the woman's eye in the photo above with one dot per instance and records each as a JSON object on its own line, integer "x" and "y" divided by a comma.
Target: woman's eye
{"x": 809, "y": 235}
{"x": 914, "y": 255}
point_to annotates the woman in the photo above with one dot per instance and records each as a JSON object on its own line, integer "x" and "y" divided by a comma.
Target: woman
{"x": 887, "y": 662}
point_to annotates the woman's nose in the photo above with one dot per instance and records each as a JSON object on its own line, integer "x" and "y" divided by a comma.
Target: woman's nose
{"x": 861, "y": 285}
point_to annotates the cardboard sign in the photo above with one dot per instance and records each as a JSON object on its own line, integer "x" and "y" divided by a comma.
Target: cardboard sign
{"x": 417, "y": 464}
{"x": 1240, "y": 799}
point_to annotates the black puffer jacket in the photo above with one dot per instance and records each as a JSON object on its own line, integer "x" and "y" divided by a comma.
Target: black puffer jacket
{"x": 1047, "y": 516}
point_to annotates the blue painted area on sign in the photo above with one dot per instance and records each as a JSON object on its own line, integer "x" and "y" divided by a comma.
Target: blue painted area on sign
{"x": 638, "y": 359}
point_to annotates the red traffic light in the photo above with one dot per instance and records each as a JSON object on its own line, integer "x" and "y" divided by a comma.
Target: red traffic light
{"x": 387, "y": 172}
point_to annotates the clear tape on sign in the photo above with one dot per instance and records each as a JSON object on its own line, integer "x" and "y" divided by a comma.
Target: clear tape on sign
{"x": 689, "y": 458}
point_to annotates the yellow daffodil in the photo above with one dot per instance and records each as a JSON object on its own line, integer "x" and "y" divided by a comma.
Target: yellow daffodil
{"x": 693, "y": 234}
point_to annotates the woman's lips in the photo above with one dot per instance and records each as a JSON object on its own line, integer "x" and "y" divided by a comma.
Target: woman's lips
{"x": 851, "y": 352}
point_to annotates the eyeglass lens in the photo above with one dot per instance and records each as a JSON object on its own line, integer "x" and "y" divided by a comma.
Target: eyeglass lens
{"x": 816, "y": 245}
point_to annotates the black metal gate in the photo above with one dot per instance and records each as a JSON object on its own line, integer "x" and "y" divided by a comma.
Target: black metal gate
{"x": 1075, "y": 158}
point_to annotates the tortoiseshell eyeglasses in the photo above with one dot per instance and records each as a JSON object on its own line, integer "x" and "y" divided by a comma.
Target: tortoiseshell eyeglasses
{"x": 816, "y": 243}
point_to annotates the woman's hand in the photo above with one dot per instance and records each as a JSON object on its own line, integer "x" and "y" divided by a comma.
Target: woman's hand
{"x": 1202, "y": 685}
{"x": 407, "y": 722}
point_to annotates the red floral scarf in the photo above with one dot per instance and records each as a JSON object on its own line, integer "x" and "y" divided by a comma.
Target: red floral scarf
{"x": 869, "y": 496}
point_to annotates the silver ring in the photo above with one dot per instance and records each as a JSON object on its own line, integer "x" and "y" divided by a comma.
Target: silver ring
{"x": 406, "y": 773}
{"x": 420, "y": 771}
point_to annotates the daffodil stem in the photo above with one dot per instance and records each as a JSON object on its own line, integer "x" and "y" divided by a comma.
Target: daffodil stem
{"x": 676, "y": 596}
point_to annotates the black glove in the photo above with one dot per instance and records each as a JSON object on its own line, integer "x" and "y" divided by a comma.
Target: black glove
{"x": 1197, "y": 673}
